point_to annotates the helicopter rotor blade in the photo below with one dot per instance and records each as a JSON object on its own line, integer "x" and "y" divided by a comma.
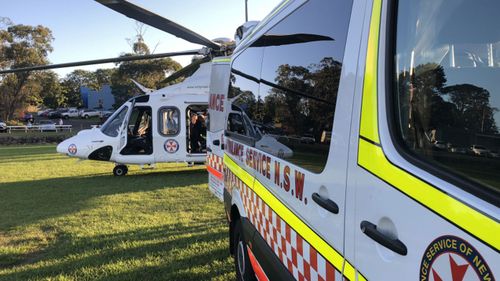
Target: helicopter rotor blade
{"x": 99, "y": 61}
{"x": 189, "y": 69}
{"x": 135, "y": 12}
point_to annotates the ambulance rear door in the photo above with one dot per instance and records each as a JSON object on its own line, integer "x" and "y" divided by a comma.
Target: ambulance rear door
{"x": 219, "y": 82}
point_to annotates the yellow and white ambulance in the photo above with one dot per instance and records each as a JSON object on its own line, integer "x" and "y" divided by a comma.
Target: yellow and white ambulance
{"x": 374, "y": 108}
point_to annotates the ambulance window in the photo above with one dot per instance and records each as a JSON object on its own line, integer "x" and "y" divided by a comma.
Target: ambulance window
{"x": 446, "y": 88}
{"x": 168, "y": 121}
{"x": 300, "y": 78}
{"x": 235, "y": 124}
{"x": 112, "y": 126}
{"x": 243, "y": 91}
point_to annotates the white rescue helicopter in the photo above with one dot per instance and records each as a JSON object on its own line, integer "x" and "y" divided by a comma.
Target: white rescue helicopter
{"x": 151, "y": 128}
{"x": 165, "y": 125}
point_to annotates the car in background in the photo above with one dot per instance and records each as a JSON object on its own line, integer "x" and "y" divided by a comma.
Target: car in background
{"x": 308, "y": 139}
{"x": 27, "y": 117}
{"x": 72, "y": 112}
{"x": 459, "y": 150}
{"x": 105, "y": 112}
{"x": 479, "y": 150}
{"x": 494, "y": 154}
{"x": 105, "y": 115}
{"x": 47, "y": 125}
{"x": 54, "y": 114}
{"x": 43, "y": 112}
{"x": 3, "y": 126}
{"x": 439, "y": 145}
{"x": 87, "y": 113}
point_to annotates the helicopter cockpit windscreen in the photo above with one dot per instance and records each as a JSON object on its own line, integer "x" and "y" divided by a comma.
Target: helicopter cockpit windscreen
{"x": 446, "y": 85}
{"x": 112, "y": 126}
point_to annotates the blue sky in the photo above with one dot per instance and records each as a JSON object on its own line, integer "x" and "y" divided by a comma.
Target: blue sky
{"x": 84, "y": 29}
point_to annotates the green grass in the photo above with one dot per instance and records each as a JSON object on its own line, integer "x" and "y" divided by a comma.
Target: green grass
{"x": 67, "y": 220}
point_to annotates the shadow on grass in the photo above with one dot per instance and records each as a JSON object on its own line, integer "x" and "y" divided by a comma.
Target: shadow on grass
{"x": 29, "y": 150}
{"x": 23, "y": 203}
{"x": 193, "y": 251}
{"x": 24, "y": 158}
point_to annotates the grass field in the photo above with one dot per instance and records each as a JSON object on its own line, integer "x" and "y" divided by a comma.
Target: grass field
{"x": 64, "y": 220}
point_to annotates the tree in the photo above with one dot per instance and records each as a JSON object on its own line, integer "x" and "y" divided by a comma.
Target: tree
{"x": 78, "y": 78}
{"x": 304, "y": 97}
{"x": 51, "y": 92}
{"x": 428, "y": 106}
{"x": 149, "y": 73}
{"x": 473, "y": 107}
{"x": 419, "y": 97}
{"x": 21, "y": 46}
{"x": 72, "y": 83}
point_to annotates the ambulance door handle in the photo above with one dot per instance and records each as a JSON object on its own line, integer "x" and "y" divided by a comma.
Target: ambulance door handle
{"x": 395, "y": 245}
{"x": 325, "y": 203}
{"x": 209, "y": 149}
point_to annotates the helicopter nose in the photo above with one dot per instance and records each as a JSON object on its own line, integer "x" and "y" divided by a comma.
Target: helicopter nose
{"x": 62, "y": 147}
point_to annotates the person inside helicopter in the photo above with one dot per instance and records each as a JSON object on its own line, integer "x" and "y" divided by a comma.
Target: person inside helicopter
{"x": 197, "y": 129}
{"x": 140, "y": 139}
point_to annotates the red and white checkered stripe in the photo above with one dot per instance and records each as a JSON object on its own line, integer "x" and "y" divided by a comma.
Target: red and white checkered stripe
{"x": 298, "y": 256}
{"x": 215, "y": 161}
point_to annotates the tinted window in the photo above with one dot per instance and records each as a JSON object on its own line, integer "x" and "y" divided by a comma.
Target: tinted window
{"x": 243, "y": 94}
{"x": 112, "y": 125}
{"x": 292, "y": 104}
{"x": 447, "y": 90}
{"x": 169, "y": 121}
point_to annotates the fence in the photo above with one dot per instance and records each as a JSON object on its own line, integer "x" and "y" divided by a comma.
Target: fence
{"x": 40, "y": 128}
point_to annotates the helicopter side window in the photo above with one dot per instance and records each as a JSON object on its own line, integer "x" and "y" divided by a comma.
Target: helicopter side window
{"x": 169, "y": 121}
{"x": 112, "y": 126}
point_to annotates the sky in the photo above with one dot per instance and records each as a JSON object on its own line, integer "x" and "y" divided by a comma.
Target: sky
{"x": 86, "y": 30}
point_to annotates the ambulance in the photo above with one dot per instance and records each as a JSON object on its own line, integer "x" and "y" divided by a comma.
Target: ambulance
{"x": 378, "y": 199}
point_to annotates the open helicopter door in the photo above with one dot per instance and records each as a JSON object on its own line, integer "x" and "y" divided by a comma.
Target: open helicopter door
{"x": 124, "y": 128}
{"x": 135, "y": 145}
{"x": 219, "y": 82}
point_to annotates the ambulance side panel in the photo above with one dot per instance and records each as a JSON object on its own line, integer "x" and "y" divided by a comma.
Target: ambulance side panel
{"x": 295, "y": 202}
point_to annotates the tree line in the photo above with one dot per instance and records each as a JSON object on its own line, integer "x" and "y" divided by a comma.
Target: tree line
{"x": 25, "y": 45}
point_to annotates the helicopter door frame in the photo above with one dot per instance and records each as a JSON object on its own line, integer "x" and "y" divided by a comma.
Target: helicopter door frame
{"x": 133, "y": 127}
{"x": 188, "y": 133}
